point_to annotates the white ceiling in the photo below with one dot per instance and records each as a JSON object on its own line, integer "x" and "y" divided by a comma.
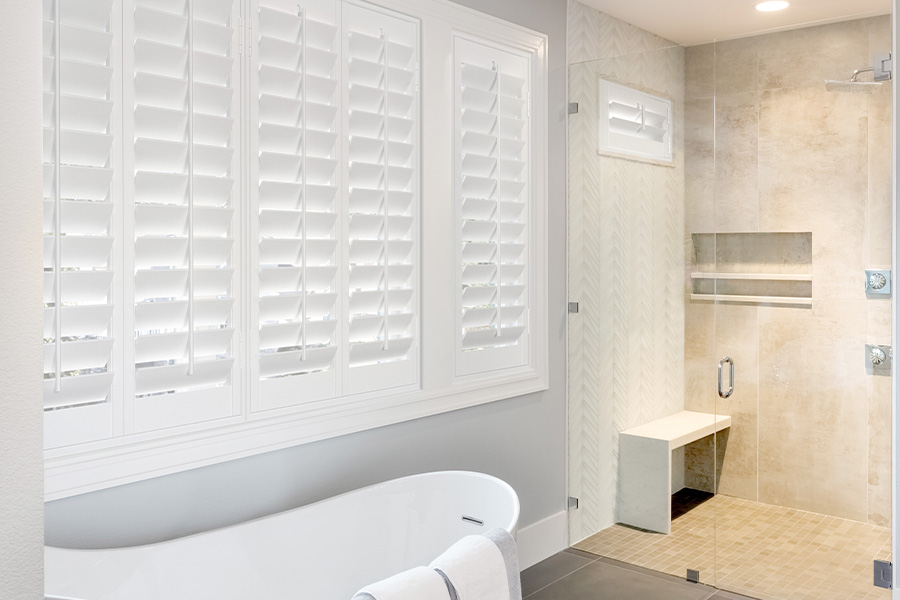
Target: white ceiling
{"x": 692, "y": 22}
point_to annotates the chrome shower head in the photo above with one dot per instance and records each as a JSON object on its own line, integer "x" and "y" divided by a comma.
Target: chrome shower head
{"x": 881, "y": 71}
{"x": 853, "y": 87}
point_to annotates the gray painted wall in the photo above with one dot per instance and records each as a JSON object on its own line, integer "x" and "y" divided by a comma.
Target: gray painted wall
{"x": 21, "y": 294}
{"x": 521, "y": 440}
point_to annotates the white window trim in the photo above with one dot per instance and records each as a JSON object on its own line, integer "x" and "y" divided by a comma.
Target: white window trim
{"x": 97, "y": 465}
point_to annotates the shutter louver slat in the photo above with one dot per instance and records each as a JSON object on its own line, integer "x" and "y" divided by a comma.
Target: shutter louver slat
{"x": 297, "y": 184}
{"x": 492, "y": 135}
{"x": 79, "y": 78}
{"x": 185, "y": 163}
{"x": 382, "y": 183}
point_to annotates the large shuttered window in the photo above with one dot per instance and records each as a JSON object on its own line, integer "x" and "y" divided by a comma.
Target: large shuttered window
{"x": 251, "y": 241}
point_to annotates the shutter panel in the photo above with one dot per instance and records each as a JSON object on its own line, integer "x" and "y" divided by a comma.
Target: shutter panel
{"x": 493, "y": 192}
{"x": 382, "y": 192}
{"x": 185, "y": 163}
{"x": 296, "y": 160}
{"x": 81, "y": 209}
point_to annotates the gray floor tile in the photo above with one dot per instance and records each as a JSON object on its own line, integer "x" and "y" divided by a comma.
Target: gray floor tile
{"x": 603, "y": 581}
{"x": 553, "y": 569}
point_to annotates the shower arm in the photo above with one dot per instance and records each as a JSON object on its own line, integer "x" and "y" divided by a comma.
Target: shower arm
{"x": 858, "y": 71}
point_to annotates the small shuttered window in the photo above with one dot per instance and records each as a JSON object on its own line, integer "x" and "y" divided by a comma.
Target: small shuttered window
{"x": 493, "y": 190}
{"x": 634, "y": 124}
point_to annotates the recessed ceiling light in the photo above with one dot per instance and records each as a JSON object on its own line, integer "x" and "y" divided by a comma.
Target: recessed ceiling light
{"x": 772, "y": 6}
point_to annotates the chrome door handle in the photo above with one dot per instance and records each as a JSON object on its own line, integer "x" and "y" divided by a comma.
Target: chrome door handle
{"x": 723, "y": 393}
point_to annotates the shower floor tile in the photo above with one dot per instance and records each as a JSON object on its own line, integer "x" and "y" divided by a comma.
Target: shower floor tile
{"x": 768, "y": 552}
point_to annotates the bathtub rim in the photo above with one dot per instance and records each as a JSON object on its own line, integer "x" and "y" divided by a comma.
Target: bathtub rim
{"x": 511, "y": 527}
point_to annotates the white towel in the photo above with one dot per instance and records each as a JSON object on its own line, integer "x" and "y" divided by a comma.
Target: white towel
{"x": 475, "y": 568}
{"x": 420, "y": 583}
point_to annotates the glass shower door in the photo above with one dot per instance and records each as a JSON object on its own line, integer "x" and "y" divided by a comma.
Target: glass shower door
{"x": 627, "y": 343}
{"x": 801, "y": 186}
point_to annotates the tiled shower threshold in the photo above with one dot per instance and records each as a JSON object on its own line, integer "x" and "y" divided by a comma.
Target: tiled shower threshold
{"x": 759, "y": 550}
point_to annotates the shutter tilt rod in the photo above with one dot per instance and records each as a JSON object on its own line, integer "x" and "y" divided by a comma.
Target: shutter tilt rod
{"x": 499, "y": 300}
{"x": 386, "y": 200}
{"x": 57, "y": 217}
{"x": 303, "y": 204}
{"x": 190, "y": 187}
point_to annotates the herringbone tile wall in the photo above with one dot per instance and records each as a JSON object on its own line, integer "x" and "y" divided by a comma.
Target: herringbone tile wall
{"x": 626, "y": 268}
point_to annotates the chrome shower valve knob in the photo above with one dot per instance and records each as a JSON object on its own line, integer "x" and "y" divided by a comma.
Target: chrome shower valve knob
{"x": 877, "y": 281}
{"x": 877, "y": 356}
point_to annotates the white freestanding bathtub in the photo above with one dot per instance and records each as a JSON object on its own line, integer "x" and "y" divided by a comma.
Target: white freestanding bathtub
{"x": 323, "y": 551}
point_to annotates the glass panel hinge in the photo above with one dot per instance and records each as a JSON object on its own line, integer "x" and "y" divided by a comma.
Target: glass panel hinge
{"x": 884, "y": 574}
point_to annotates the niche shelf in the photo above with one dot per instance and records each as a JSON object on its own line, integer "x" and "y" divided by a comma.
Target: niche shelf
{"x": 752, "y": 267}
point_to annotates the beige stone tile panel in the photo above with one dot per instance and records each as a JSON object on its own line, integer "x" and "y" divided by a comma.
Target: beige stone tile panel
{"x": 807, "y": 57}
{"x": 699, "y": 165}
{"x": 879, "y": 421}
{"x": 812, "y": 408}
{"x": 699, "y": 71}
{"x": 737, "y": 169}
{"x": 737, "y": 66}
{"x": 813, "y": 177}
{"x": 737, "y": 336}
{"x": 880, "y": 35}
{"x": 880, "y": 179}
{"x": 699, "y": 356}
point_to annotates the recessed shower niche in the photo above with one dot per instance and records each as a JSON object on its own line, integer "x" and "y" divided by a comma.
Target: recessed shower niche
{"x": 756, "y": 267}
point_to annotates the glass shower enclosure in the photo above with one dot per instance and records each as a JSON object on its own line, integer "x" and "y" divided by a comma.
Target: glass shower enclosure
{"x": 730, "y": 379}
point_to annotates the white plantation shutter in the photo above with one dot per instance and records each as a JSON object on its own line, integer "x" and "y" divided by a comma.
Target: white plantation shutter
{"x": 493, "y": 192}
{"x": 185, "y": 166}
{"x": 81, "y": 209}
{"x": 382, "y": 197}
{"x": 297, "y": 201}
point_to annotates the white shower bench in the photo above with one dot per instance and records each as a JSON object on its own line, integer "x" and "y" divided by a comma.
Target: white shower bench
{"x": 645, "y": 465}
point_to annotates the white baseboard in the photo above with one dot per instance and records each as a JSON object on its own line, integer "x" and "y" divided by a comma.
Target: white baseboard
{"x": 542, "y": 539}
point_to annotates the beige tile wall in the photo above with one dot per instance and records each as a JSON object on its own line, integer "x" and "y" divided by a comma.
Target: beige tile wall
{"x": 769, "y": 149}
{"x": 626, "y": 346}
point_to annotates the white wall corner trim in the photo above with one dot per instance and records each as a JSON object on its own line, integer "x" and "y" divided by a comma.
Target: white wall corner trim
{"x": 542, "y": 540}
